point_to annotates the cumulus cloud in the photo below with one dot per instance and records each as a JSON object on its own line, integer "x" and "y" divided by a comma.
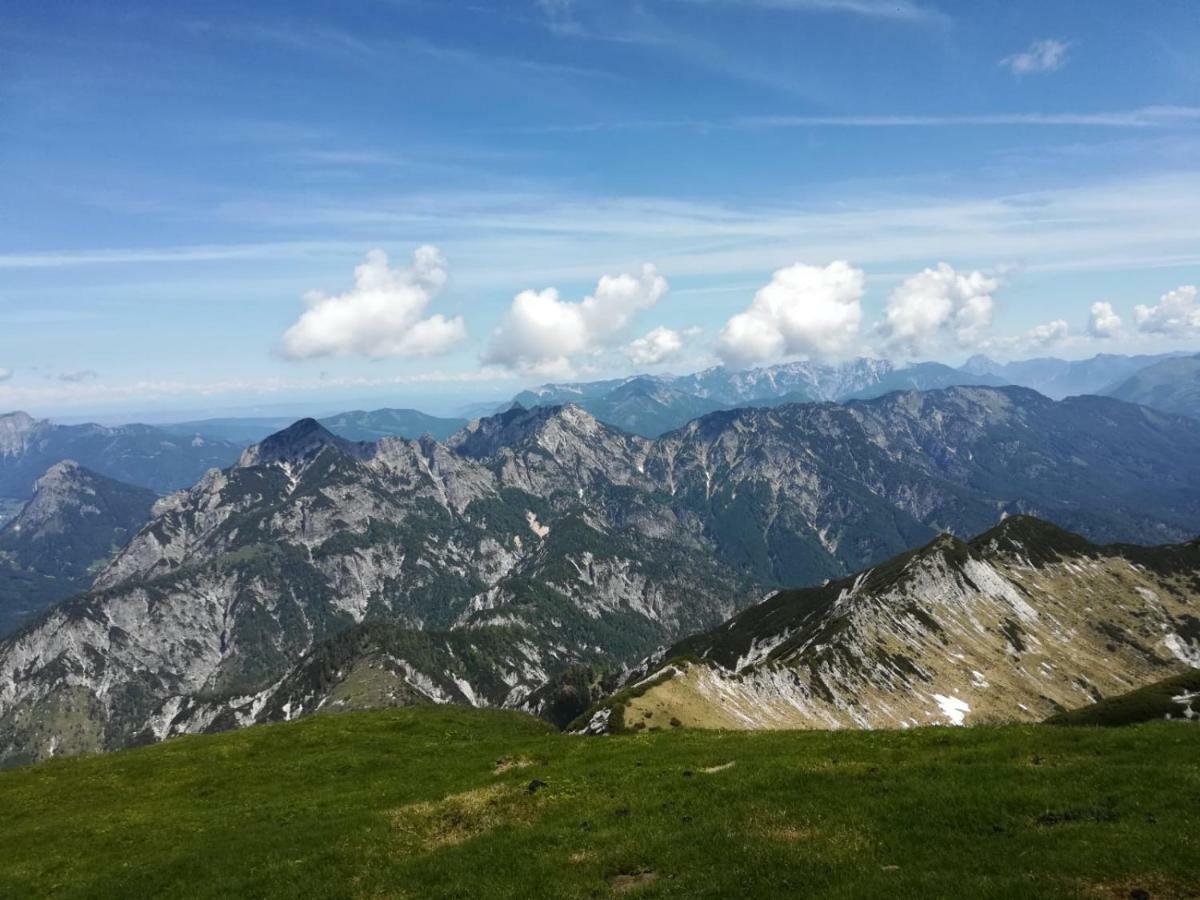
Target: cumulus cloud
{"x": 381, "y": 315}
{"x": 1048, "y": 335}
{"x": 1177, "y": 314}
{"x": 1042, "y": 56}
{"x": 5, "y": 374}
{"x": 805, "y": 311}
{"x": 659, "y": 346}
{"x": 544, "y": 334}
{"x": 937, "y": 303}
{"x": 1104, "y": 323}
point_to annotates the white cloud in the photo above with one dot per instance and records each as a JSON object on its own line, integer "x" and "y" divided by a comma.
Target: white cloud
{"x": 935, "y": 303}
{"x": 658, "y": 346}
{"x": 5, "y": 374}
{"x": 381, "y": 315}
{"x": 544, "y": 334}
{"x": 1104, "y": 323}
{"x": 805, "y": 311}
{"x": 1042, "y": 56}
{"x": 1047, "y": 335}
{"x": 1176, "y": 314}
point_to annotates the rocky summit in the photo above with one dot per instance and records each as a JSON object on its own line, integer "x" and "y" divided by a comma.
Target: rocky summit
{"x": 320, "y": 573}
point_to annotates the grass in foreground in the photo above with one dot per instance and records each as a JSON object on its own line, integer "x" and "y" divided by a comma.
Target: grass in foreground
{"x": 438, "y": 803}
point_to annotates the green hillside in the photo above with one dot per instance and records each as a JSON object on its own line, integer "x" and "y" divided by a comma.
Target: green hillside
{"x": 448, "y": 802}
{"x": 1171, "y": 698}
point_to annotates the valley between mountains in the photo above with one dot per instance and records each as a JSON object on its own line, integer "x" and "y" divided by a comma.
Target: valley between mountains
{"x": 532, "y": 552}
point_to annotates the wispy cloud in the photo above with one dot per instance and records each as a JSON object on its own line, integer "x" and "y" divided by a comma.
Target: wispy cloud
{"x": 183, "y": 254}
{"x": 88, "y": 393}
{"x": 1042, "y": 56}
{"x": 1141, "y": 117}
{"x": 548, "y": 237}
{"x": 894, "y": 10}
{"x": 318, "y": 40}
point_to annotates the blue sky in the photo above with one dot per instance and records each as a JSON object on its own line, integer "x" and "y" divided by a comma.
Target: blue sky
{"x": 186, "y": 191}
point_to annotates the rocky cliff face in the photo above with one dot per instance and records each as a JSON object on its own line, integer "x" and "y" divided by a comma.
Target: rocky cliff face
{"x": 74, "y": 524}
{"x": 1024, "y": 621}
{"x": 561, "y": 539}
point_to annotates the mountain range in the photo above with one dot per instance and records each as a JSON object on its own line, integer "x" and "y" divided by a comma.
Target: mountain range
{"x": 316, "y": 571}
{"x": 651, "y": 405}
{"x": 1058, "y": 378}
{"x": 1022, "y": 622}
{"x": 172, "y": 456}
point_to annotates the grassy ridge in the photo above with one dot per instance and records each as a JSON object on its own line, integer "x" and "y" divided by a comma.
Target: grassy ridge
{"x": 1159, "y": 700}
{"x": 436, "y": 803}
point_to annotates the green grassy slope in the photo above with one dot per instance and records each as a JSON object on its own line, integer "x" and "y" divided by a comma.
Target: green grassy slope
{"x": 1170, "y": 698}
{"x": 413, "y": 803}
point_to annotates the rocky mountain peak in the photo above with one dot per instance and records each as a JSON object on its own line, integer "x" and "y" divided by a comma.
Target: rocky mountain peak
{"x": 17, "y": 419}
{"x": 300, "y": 442}
{"x": 1032, "y": 539}
{"x": 15, "y": 430}
{"x": 518, "y": 426}
{"x": 65, "y": 485}
{"x": 979, "y": 364}
{"x": 61, "y": 472}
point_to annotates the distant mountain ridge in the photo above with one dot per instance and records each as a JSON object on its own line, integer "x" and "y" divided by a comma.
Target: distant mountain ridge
{"x": 140, "y": 455}
{"x": 1058, "y": 378}
{"x": 354, "y": 425}
{"x": 1172, "y": 385}
{"x": 74, "y": 524}
{"x": 553, "y": 538}
{"x": 651, "y": 405}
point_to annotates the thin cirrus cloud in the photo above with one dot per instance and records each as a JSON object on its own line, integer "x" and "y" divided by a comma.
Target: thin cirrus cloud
{"x": 893, "y": 10}
{"x": 1047, "y": 55}
{"x": 381, "y": 316}
{"x": 1158, "y": 116}
{"x": 1177, "y": 314}
{"x": 546, "y": 335}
